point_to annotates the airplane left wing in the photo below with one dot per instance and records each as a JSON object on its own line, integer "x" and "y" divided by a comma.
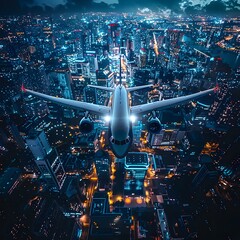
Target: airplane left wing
{"x": 160, "y": 105}
{"x": 94, "y": 108}
{"x": 109, "y": 89}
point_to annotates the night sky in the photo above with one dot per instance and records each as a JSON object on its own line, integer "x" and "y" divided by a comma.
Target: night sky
{"x": 219, "y": 7}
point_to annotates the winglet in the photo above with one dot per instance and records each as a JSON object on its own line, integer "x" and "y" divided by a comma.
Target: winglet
{"x": 216, "y": 89}
{"x": 23, "y": 89}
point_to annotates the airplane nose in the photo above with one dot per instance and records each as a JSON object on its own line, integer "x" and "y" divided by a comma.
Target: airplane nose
{"x": 120, "y": 151}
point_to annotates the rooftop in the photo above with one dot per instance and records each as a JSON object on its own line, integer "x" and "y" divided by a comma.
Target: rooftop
{"x": 137, "y": 159}
{"x": 109, "y": 226}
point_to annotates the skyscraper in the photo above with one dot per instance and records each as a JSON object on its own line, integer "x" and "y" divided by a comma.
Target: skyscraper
{"x": 114, "y": 34}
{"x": 47, "y": 159}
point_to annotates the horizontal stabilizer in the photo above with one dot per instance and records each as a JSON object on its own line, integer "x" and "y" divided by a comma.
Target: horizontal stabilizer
{"x": 109, "y": 89}
{"x": 138, "y": 87}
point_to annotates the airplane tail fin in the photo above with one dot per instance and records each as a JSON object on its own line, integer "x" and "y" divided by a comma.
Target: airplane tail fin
{"x": 139, "y": 87}
{"x": 109, "y": 89}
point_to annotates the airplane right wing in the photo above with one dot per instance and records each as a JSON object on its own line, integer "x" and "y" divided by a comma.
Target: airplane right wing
{"x": 130, "y": 89}
{"x": 160, "y": 105}
{"x": 94, "y": 108}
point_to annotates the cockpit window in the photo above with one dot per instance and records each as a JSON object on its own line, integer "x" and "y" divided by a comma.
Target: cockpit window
{"x": 117, "y": 142}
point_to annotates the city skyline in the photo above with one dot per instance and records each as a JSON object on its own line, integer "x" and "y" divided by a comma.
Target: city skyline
{"x": 59, "y": 175}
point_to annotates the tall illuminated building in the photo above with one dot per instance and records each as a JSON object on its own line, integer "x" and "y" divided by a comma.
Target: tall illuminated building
{"x": 92, "y": 59}
{"x": 137, "y": 41}
{"x": 47, "y": 159}
{"x": 114, "y": 35}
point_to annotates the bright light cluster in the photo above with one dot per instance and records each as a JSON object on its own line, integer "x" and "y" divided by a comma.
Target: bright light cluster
{"x": 133, "y": 118}
{"x": 107, "y": 118}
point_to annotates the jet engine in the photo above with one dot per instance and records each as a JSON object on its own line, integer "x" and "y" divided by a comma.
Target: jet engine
{"x": 154, "y": 125}
{"x": 86, "y": 125}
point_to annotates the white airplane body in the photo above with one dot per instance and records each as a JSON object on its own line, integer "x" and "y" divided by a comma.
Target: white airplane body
{"x": 120, "y": 113}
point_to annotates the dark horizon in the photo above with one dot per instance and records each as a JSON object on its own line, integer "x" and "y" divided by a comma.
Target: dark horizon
{"x": 214, "y": 8}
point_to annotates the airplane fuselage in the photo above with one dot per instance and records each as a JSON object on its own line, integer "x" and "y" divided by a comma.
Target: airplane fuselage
{"x": 120, "y": 127}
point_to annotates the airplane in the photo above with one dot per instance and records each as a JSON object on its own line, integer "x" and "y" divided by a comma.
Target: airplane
{"x": 120, "y": 114}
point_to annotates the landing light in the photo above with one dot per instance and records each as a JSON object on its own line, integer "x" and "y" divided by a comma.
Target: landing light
{"x": 107, "y": 118}
{"x": 133, "y": 118}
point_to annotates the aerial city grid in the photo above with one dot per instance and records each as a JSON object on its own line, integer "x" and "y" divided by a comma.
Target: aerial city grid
{"x": 119, "y": 120}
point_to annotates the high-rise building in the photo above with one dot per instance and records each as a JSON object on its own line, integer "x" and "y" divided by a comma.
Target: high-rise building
{"x": 137, "y": 41}
{"x": 114, "y": 35}
{"x": 47, "y": 159}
